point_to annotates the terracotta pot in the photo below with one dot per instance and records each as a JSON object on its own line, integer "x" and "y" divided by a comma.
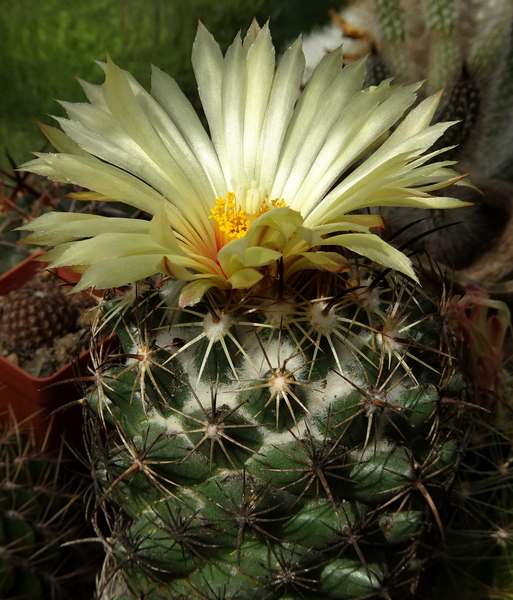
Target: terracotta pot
{"x": 34, "y": 402}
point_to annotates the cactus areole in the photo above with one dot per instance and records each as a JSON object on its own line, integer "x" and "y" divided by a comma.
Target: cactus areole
{"x": 279, "y": 424}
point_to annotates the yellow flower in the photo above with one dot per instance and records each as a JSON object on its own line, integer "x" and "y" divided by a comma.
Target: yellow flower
{"x": 278, "y": 179}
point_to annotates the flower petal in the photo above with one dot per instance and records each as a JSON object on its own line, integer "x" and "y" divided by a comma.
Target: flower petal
{"x": 371, "y": 113}
{"x": 256, "y": 256}
{"x": 119, "y": 272}
{"x": 69, "y": 226}
{"x": 207, "y": 61}
{"x": 290, "y": 174}
{"x": 260, "y": 67}
{"x": 245, "y": 279}
{"x": 327, "y": 93}
{"x": 324, "y": 261}
{"x": 91, "y": 173}
{"x": 60, "y": 141}
{"x": 183, "y": 116}
{"x": 376, "y": 249}
{"x": 193, "y": 292}
{"x": 283, "y": 98}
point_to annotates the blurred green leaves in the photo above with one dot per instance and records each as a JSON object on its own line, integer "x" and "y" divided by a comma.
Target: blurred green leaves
{"x": 44, "y": 45}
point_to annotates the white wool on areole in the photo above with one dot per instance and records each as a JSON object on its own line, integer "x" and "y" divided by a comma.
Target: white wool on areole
{"x": 379, "y": 445}
{"x": 323, "y": 393}
{"x": 205, "y": 394}
{"x": 277, "y": 439}
{"x": 270, "y": 355}
{"x": 279, "y": 311}
{"x": 169, "y": 424}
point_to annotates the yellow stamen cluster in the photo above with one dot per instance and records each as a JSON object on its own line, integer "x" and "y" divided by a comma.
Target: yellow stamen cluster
{"x": 276, "y": 203}
{"x": 232, "y": 220}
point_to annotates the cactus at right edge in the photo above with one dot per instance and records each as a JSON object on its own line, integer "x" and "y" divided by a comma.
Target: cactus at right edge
{"x": 476, "y": 562}
{"x": 40, "y": 509}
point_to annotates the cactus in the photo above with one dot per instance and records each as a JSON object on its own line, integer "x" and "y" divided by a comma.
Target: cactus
{"x": 294, "y": 443}
{"x": 34, "y": 315}
{"x": 476, "y": 560}
{"x": 41, "y": 508}
{"x": 284, "y": 418}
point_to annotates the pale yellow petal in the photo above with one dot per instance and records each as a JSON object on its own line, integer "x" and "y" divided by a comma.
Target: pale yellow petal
{"x": 376, "y": 249}
{"x": 119, "y": 272}
{"x": 245, "y": 279}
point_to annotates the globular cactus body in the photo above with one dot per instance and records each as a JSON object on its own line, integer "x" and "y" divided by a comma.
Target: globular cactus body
{"x": 294, "y": 443}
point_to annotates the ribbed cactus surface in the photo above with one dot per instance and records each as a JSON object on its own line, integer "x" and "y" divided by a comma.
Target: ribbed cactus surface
{"x": 291, "y": 443}
{"x": 40, "y": 509}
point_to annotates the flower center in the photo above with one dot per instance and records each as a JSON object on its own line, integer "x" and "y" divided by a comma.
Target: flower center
{"x": 232, "y": 221}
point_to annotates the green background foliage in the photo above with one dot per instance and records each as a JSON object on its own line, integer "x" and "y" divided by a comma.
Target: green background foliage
{"x": 45, "y": 45}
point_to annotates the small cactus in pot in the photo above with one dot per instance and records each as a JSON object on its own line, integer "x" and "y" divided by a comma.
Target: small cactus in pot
{"x": 34, "y": 315}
